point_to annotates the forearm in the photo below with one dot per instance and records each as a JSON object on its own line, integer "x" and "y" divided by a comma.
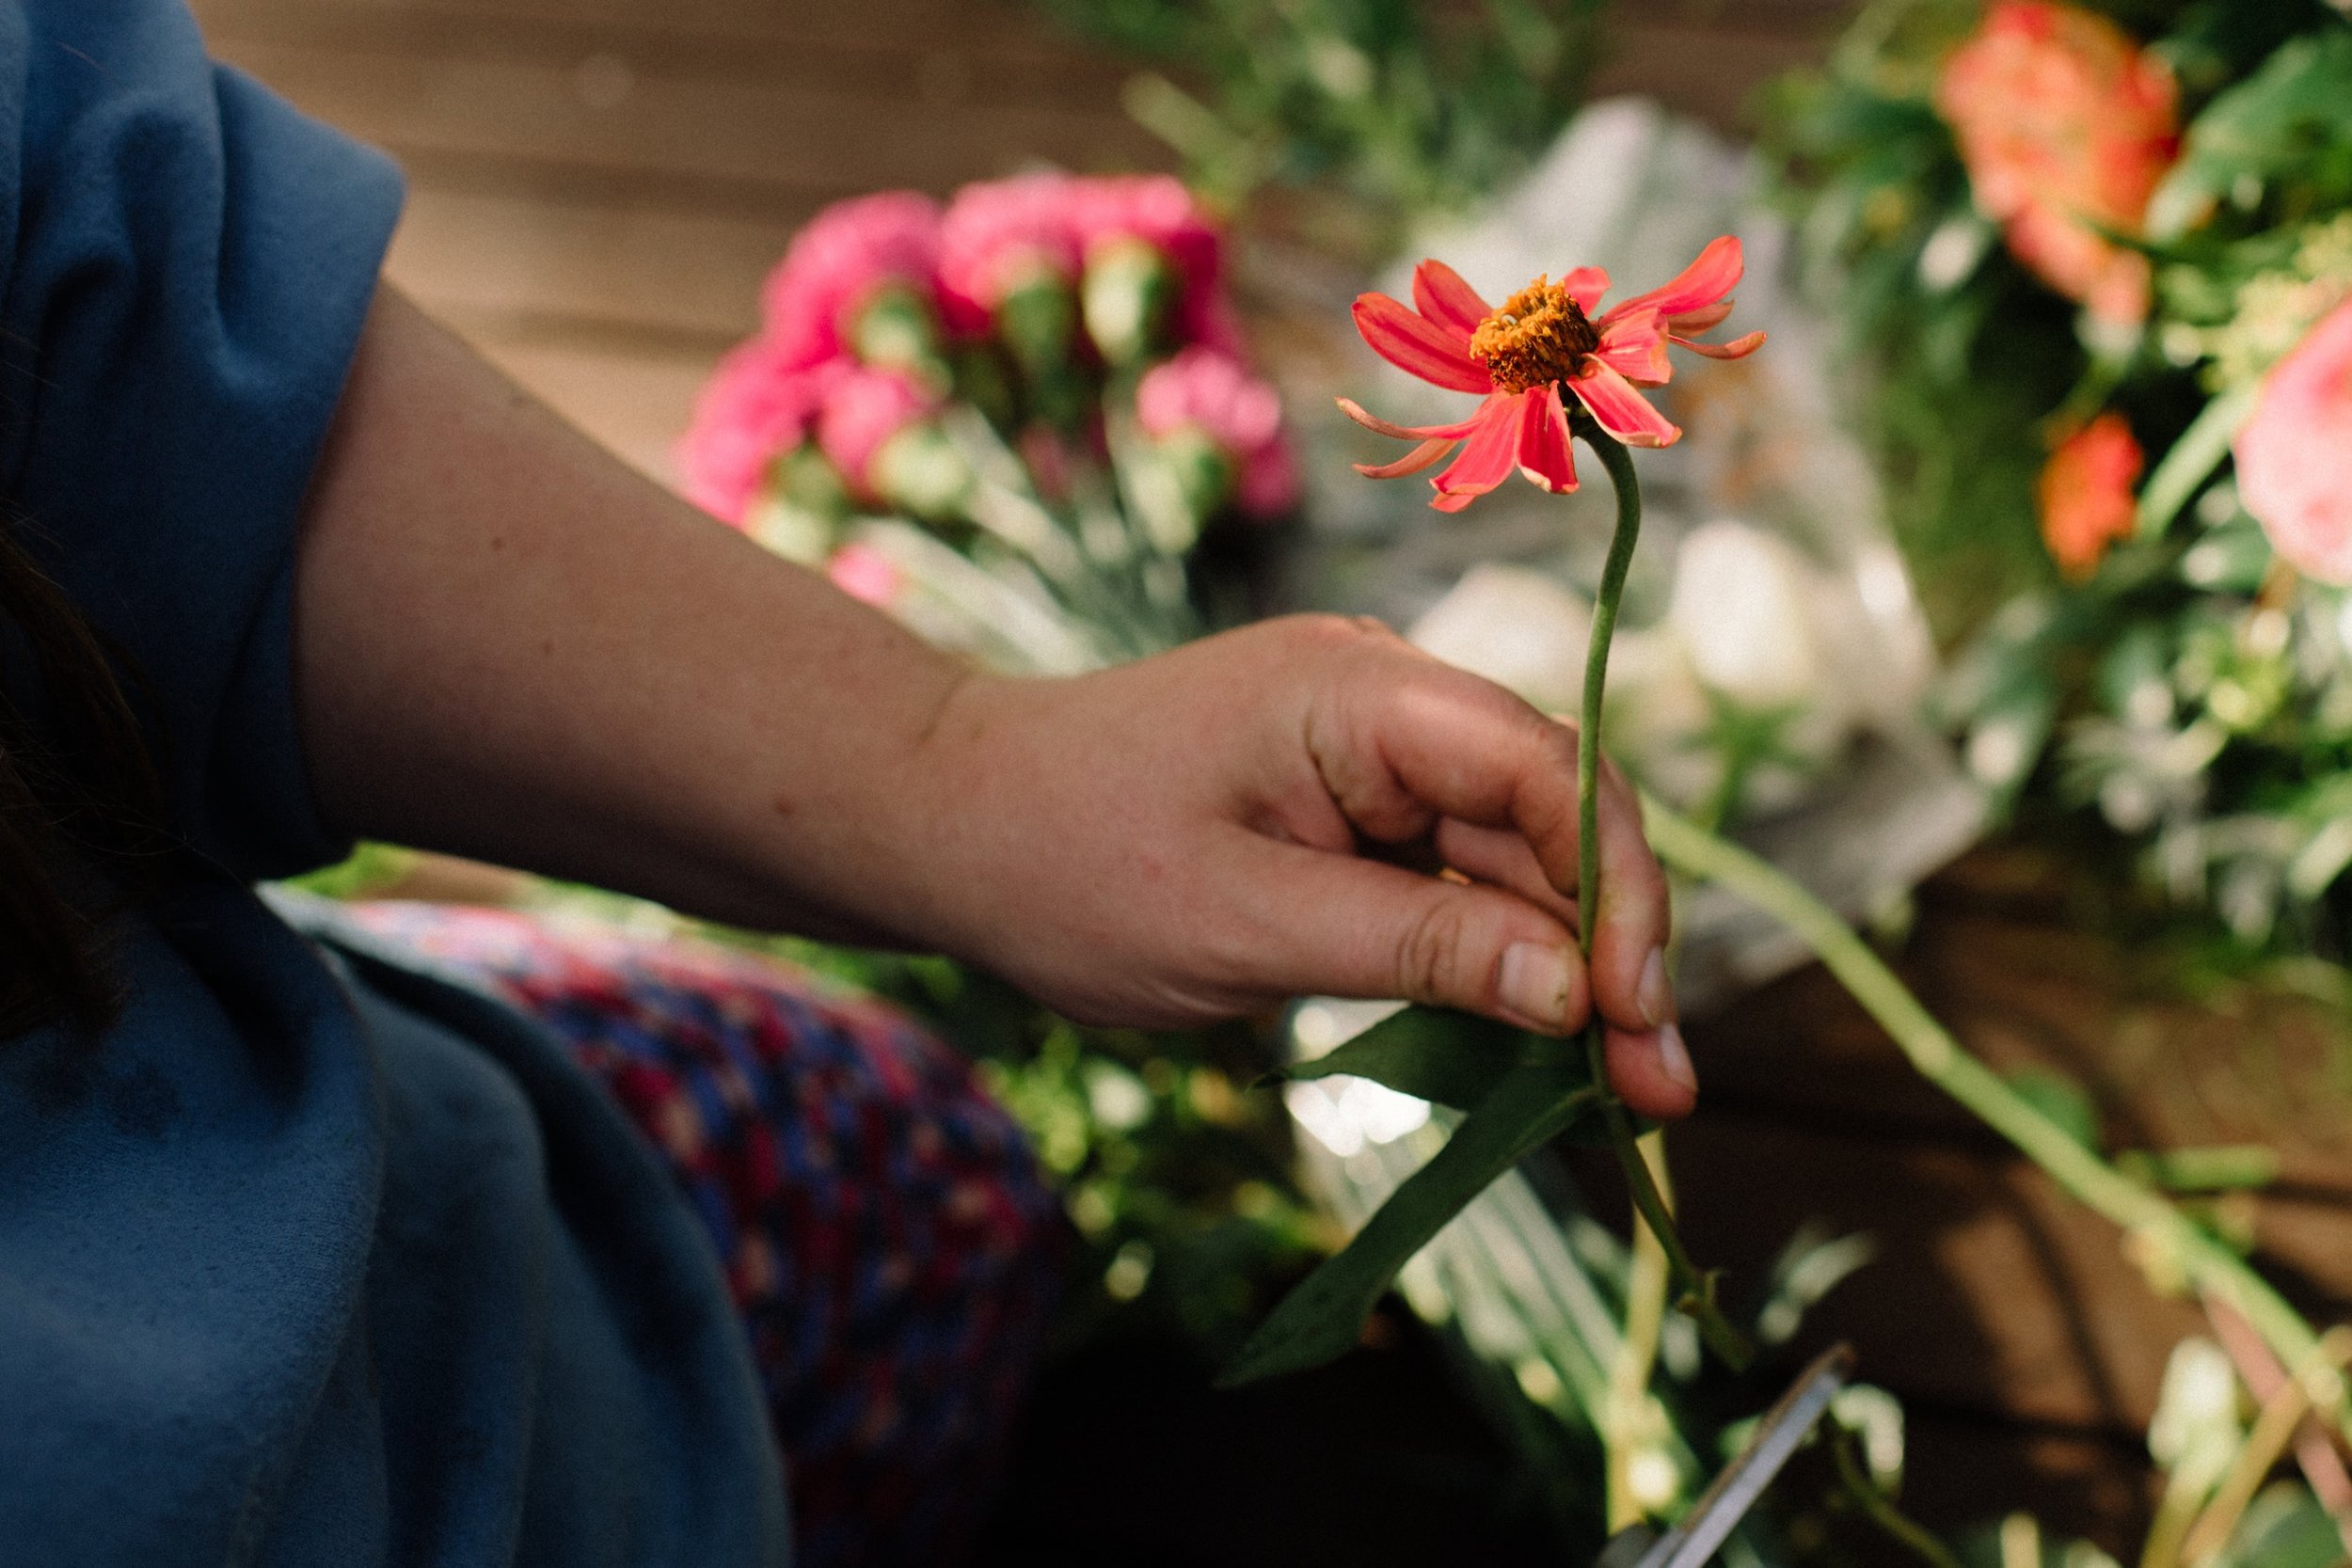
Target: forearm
{"x": 512, "y": 647}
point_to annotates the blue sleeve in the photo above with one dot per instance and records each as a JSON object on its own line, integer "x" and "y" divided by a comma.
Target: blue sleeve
{"x": 186, "y": 263}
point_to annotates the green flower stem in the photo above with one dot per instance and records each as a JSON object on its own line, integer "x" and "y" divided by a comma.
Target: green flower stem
{"x": 1880, "y": 1509}
{"x": 2166, "y": 1240}
{"x": 1699, "y": 1294}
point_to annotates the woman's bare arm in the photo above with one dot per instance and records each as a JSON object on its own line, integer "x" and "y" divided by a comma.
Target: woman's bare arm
{"x": 510, "y": 645}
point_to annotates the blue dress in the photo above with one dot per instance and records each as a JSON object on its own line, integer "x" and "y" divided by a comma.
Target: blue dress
{"x": 309, "y": 1260}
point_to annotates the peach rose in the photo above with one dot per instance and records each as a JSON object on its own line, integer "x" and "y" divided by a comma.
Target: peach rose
{"x": 2295, "y": 454}
{"x": 2067, "y": 127}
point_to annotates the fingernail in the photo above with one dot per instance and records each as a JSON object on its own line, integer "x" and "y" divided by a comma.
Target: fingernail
{"x": 1676, "y": 1059}
{"x": 1533, "y": 983}
{"x": 1655, "y": 1001}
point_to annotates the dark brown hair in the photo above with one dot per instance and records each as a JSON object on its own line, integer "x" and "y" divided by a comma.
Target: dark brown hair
{"x": 78, "y": 791}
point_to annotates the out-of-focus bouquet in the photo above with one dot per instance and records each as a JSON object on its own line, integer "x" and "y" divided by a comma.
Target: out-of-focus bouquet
{"x": 1010, "y": 419}
{"x": 2101, "y": 259}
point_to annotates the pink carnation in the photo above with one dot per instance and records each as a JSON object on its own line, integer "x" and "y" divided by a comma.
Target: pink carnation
{"x": 1159, "y": 211}
{"x": 2295, "y": 454}
{"x": 754, "y": 407}
{"x": 1208, "y": 391}
{"x": 999, "y": 231}
{"x": 837, "y": 265}
{"x": 2067, "y": 127}
{"x": 862, "y": 409}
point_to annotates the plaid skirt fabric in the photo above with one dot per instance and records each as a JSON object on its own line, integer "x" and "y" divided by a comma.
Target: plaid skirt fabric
{"x": 891, "y": 1246}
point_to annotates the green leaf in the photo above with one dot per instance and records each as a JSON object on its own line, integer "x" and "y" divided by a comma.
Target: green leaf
{"x": 1452, "y": 1058}
{"x": 2193, "y": 458}
{"x": 1323, "y": 1317}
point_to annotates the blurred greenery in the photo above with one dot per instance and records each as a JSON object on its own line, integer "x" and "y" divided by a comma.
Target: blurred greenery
{"x": 1402, "y": 107}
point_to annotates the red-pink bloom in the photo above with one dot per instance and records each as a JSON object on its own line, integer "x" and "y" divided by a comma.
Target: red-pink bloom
{"x": 2295, "y": 454}
{"x": 1158, "y": 210}
{"x": 847, "y": 254}
{"x": 755, "y": 407}
{"x": 2086, "y": 493}
{"x": 864, "y": 573}
{"x": 999, "y": 235}
{"x": 862, "y": 409}
{"x": 2067, "y": 127}
{"x": 1204, "y": 390}
{"x": 1544, "y": 340}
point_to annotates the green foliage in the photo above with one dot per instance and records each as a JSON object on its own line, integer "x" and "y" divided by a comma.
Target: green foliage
{"x": 1454, "y": 1059}
{"x": 2192, "y": 695}
{"x": 1404, "y": 107}
{"x": 1323, "y": 1317}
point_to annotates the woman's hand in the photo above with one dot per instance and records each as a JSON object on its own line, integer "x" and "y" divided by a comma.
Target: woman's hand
{"x": 1215, "y": 829}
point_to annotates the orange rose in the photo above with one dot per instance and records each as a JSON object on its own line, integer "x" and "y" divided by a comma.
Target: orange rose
{"x": 2086, "y": 494}
{"x": 2066, "y": 126}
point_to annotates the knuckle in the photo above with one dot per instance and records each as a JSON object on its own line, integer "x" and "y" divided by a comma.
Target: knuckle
{"x": 1430, "y": 956}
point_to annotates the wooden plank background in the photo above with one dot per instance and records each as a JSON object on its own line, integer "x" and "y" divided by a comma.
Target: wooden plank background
{"x": 598, "y": 185}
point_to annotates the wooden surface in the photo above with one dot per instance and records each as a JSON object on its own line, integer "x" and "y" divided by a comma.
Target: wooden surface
{"x": 598, "y": 187}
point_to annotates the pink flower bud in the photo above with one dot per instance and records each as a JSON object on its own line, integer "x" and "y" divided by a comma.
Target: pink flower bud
{"x": 755, "y": 407}
{"x": 1157, "y": 210}
{"x": 2295, "y": 454}
{"x": 1000, "y": 234}
{"x": 862, "y": 409}
{"x": 847, "y": 254}
{"x": 864, "y": 573}
{"x": 1209, "y": 392}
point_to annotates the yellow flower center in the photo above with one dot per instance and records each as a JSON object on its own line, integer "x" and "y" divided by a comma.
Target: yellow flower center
{"x": 1539, "y": 336}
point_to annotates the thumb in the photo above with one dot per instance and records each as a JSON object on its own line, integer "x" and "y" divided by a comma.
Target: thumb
{"x": 1357, "y": 928}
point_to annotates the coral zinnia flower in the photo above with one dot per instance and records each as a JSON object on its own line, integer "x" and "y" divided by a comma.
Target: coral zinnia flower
{"x": 2086, "y": 493}
{"x": 1544, "y": 340}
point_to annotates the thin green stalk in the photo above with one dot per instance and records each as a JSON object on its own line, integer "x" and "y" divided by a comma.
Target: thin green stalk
{"x": 1698, "y": 1293}
{"x": 2167, "y": 1236}
{"x": 1880, "y": 1509}
{"x": 1629, "y": 1401}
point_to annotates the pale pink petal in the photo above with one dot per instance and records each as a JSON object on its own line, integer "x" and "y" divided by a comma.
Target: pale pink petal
{"x": 1547, "y": 453}
{"x": 1489, "y": 454}
{"x": 1440, "y": 293}
{"x": 1738, "y": 348}
{"x": 1428, "y": 455}
{"x": 1623, "y": 411}
{"x": 1355, "y": 410}
{"x": 1420, "y": 346}
{"x": 1585, "y": 286}
{"x": 1715, "y": 274}
{"x": 1635, "y": 347}
{"x": 1688, "y": 322}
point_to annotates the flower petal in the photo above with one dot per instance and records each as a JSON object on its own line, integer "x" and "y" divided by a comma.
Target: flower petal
{"x": 1546, "y": 453}
{"x": 1355, "y": 410}
{"x": 1585, "y": 286}
{"x": 1738, "y": 348}
{"x": 1427, "y": 454}
{"x": 1440, "y": 293}
{"x": 1490, "y": 453}
{"x": 1634, "y": 345}
{"x": 1715, "y": 274}
{"x": 1623, "y": 411}
{"x": 1420, "y": 346}
{"x": 1688, "y": 322}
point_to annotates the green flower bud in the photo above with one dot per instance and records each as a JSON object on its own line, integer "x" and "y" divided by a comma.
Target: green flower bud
{"x": 920, "y": 471}
{"x": 1038, "y": 319}
{"x": 1126, "y": 297}
{"x": 898, "y": 330}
